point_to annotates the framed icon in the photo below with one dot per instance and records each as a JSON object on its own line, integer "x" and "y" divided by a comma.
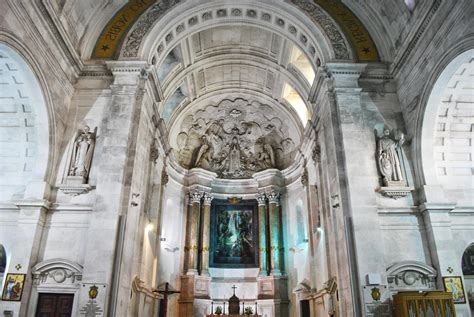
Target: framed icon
{"x": 453, "y": 284}
{"x": 13, "y": 288}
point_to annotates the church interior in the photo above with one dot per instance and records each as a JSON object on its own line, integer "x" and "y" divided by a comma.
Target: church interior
{"x": 274, "y": 158}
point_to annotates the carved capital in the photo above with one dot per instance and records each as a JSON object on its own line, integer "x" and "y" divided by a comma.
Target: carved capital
{"x": 208, "y": 197}
{"x": 195, "y": 196}
{"x": 261, "y": 199}
{"x": 273, "y": 197}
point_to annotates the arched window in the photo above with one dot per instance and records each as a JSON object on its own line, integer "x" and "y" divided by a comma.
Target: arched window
{"x": 24, "y": 133}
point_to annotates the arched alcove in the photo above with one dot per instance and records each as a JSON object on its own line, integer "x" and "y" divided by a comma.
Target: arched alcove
{"x": 467, "y": 264}
{"x": 446, "y": 139}
{"x": 24, "y": 130}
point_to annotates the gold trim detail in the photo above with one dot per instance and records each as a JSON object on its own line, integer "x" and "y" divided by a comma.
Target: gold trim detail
{"x": 353, "y": 28}
{"x": 113, "y": 33}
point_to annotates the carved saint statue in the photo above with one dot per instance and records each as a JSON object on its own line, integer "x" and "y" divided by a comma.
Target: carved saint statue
{"x": 389, "y": 157}
{"x": 234, "y": 156}
{"x": 82, "y": 151}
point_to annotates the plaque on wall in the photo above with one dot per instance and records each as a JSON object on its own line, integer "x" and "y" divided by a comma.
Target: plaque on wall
{"x": 234, "y": 234}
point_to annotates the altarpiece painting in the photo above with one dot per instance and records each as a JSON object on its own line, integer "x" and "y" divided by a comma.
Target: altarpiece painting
{"x": 234, "y": 234}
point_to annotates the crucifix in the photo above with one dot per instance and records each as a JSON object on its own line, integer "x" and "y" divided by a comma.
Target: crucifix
{"x": 234, "y": 287}
{"x": 167, "y": 290}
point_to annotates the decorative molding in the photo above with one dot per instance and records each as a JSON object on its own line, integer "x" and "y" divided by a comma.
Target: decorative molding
{"x": 134, "y": 40}
{"x": 57, "y": 270}
{"x": 411, "y": 275}
{"x": 210, "y": 17}
{"x": 326, "y": 22}
{"x": 396, "y": 192}
{"x": 75, "y": 190}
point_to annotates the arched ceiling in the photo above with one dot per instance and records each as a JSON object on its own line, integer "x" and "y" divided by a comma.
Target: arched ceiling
{"x": 136, "y": 19}
{"x": 234, "y": 79}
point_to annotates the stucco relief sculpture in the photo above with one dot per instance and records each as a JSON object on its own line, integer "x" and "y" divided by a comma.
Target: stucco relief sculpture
{"x": 82, "y": 151}
{"x": 234, "y": 139}
{"x": 390, "y": 163}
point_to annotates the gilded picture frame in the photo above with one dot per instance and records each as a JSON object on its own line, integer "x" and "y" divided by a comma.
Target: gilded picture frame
{"x": 13, "y": 288}
{"x": 454, "y": 285}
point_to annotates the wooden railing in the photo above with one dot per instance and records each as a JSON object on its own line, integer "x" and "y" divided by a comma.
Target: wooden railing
{"x": 424, "y": 304}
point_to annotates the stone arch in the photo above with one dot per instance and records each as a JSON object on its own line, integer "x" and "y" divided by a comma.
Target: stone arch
{"x": 26, "y": 117}
{"x": 441, "y": 116}
{"x": 329, "y": 23}
{"x": 316, "y": 42}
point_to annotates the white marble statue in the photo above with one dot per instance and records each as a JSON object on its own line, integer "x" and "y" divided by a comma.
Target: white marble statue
{"x": 82, "y": 151}
{"x": 389, "y": 158}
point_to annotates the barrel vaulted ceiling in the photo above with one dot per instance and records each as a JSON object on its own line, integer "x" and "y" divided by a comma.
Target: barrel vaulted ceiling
{"x": 231, "y": 76}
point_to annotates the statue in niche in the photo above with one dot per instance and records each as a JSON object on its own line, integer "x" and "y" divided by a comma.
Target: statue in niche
{"x": 389, "y": 157}
{"x": 234, "y": 157}
{"x": 82, "y": 151}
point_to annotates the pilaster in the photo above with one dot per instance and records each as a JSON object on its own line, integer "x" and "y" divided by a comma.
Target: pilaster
{"x": 206, "y": 227}
{"x": 107, "y": 236}
{"x": 30, "y": 227}
{"x": 262, "y": 234}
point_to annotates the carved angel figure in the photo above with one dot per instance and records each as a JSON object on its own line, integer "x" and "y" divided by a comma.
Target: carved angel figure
{"x": 82, "y": 151}
{"x": 388, "y": 158}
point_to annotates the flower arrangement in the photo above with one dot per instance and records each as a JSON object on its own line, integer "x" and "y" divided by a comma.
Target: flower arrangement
{"x": 218, "y": 310}
{"x": 248, "y": 311}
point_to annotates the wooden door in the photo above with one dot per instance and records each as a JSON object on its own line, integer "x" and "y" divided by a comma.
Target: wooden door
{"x": 304, "y": 308}
{"x": 54, "y": 305}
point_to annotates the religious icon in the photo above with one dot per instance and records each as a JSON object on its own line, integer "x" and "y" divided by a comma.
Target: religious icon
{"x": 234, "y": 234}
{"x": 13, "y": 287}
{"x": 453, "y": 284}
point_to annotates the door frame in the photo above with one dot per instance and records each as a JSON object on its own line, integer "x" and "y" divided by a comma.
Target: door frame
{"x": 34, "y": 300}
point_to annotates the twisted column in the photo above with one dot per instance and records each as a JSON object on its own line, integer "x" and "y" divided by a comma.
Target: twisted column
{"x": 192, "y": 232}
{"x": 276, "y": 245}
{"x": 262, "y": 233}
{"x": 206, "y": 227}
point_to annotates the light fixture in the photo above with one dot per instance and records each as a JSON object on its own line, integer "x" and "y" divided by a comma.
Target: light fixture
{"x": 149, "y": 227}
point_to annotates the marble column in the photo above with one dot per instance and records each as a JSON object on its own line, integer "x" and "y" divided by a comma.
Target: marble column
{"x": 206, "y": 230}
{"x": 275, "y": 233}
{"x": 192, "y": 232}
{"x": 262, "y": 233}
